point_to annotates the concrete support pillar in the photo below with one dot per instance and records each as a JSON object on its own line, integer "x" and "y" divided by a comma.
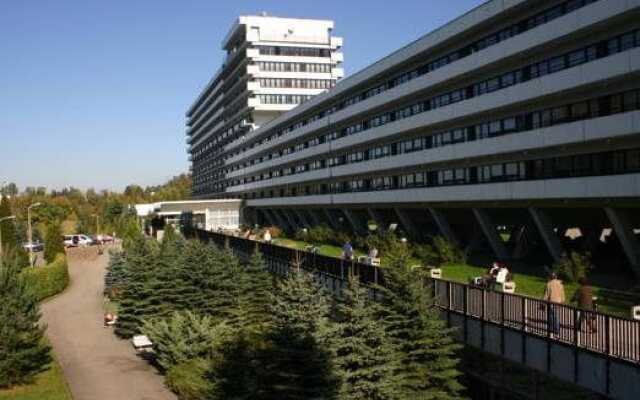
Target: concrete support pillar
{"x": 491, "y": 233}
{"x": 303, "y": 219}
{"x": 288, "y": 214}
{"x": 624, "y": 231}
{"x": 356, "y": 222}
{"x": 522, "y": 238}
{"x": 332, "y": 219}
{"x": 271, "y": 220}
{"x": 283, "y": 222}
{"x": 543, "y": 223}
{"x": 407, "y": 224}
{"x": 443, "y": 225}
{"x": 377, "y": 217}
{"x": 315, "y": 217}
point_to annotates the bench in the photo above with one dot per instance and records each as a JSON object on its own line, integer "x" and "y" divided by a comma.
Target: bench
{"x": 142, "y": 343}
{"x": 369, "y": 261}
{"x": 615, "y": 298}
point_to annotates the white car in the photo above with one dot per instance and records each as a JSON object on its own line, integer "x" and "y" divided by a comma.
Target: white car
{"x": 77, "y": 240}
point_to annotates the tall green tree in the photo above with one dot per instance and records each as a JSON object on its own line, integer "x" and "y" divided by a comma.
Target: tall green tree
{"x": 23, "y": 350}
{"x": 11, "y": 243}
{"x": 298, "y": 365}
{"x": 257, "y": 285}
{"x": 362, "y": 351}
{"x": 424, "y": 347}
{"x": 53, "y": 244}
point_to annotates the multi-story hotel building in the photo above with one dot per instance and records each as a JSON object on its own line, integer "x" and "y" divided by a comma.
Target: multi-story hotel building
{"x": 519, "y": 117}
{"x": 272, "y": 64}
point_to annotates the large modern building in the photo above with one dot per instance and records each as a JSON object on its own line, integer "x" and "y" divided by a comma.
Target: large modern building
{"x": 272, "y": 64}
{"x": 519, "y": 117}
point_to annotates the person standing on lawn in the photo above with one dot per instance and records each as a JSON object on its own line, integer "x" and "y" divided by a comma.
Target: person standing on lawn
{"x": 553, "y": 293}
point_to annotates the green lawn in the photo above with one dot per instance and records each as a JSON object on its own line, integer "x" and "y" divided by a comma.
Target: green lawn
{"x": 49, "y": 385}
{"x": 529, "y": 281}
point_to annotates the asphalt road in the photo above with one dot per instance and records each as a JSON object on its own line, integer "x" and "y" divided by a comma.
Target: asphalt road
{"x": 96, "y": 364}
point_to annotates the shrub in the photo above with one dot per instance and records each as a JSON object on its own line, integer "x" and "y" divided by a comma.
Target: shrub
{"x": 447, "y": 251}
{"x": 317, "y": 234}
{"x": 189, "y": 379}
{"x": 53, "y": 242}
{"x": 572, "y": 267}
{"x": 184, "y": 336}
{"x": 49, "y": 280}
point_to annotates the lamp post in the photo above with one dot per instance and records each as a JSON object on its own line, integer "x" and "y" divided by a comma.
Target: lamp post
{"x": 1, "y": 221}
{"x": 29, "y": 233}
{"x": 97, "y": 223}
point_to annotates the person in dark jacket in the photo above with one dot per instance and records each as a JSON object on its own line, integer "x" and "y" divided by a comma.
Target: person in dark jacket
{"x": 584, "y": 297}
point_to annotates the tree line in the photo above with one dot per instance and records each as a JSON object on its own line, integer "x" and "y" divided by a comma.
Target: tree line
{"x": 226, "y": 329}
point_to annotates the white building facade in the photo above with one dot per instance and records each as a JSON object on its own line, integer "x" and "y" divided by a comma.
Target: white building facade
{"x": 272, "y": 65}
{"x": 519, "y": 117}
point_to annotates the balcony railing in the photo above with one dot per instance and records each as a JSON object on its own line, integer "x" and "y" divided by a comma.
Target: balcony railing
{"x": 609, "y": 335}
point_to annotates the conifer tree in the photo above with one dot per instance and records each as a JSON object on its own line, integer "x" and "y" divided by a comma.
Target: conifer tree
{"x": 298, "y": 367}
{"x": 114, "y": 278}
{"x": 53, "y": 242}
{"x": 257, "y": 285}
{"x": 423, "y": 344}
{"x": 362, "y": 351}
{"x": 23, "y": 351}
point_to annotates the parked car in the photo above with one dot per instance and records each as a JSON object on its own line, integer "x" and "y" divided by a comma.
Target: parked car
{"x": 77, "y": 240}
{"x": 36, "y": 246}
{"x": 101, "y": 239}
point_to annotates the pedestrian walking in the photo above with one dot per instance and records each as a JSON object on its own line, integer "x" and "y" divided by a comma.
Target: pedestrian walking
{"x": 553, "y": 293}
{"x": 584, "y": 297}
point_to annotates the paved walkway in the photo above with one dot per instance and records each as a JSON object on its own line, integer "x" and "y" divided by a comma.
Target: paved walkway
{"x": 96, "y": 364}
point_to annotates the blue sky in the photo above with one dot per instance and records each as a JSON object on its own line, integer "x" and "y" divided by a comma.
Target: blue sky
{"x": 93, "y": 93}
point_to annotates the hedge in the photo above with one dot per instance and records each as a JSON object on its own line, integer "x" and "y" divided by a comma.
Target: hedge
{"x": 48, "y": 280}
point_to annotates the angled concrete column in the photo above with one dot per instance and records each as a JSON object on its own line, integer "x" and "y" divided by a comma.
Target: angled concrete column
{"x": 443, "y": 225}
{"x": 522, "y": 238}
{"x": 271, "y": 220}
{"x": 543, "y": 223}
{"x": 303, "y": 219}
{"x": 377, "y": 217}
{"x": 288, "y": 214}
{"x": 332, "y": 219}
{"x": 491, "y": 233}
{"x": 624, "y": 232}
{"x": 407, "y": 223}
{"x": 282, "y": 221}
{"x": 315, "y": 217}
{"x": 356, "y": 222}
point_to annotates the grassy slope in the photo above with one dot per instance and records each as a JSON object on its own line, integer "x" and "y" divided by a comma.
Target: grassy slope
{"x": 49, "y": 385}
{"x": 527, "y": 284}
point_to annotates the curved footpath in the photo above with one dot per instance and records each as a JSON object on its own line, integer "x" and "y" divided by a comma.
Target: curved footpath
{"x": 96, "y": 364}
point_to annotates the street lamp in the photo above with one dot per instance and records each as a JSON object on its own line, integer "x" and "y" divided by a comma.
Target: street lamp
{"x": 2, "y": 220}
{"x": 29, "y": 233}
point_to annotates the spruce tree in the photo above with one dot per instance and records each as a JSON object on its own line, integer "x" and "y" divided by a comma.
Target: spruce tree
{"x": 257, "y": 285}
{"x": 23, "y": 350}
{"x": 114, "y": 278}
{"x": 53, "y": 242}
{"x": 362, "y": 352}
{"x": 423, "y": 344}
{"x": 298, "y": 366}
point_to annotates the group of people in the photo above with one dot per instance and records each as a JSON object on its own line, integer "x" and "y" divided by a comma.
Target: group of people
{"x": 583, "y": 296}
{"x": 498, "y": 273}
{"x": 347, "y": 252}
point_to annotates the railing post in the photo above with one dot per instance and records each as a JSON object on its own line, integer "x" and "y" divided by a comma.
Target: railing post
{"x": 523, "y": 300}
{"x": 375, "y": 275}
